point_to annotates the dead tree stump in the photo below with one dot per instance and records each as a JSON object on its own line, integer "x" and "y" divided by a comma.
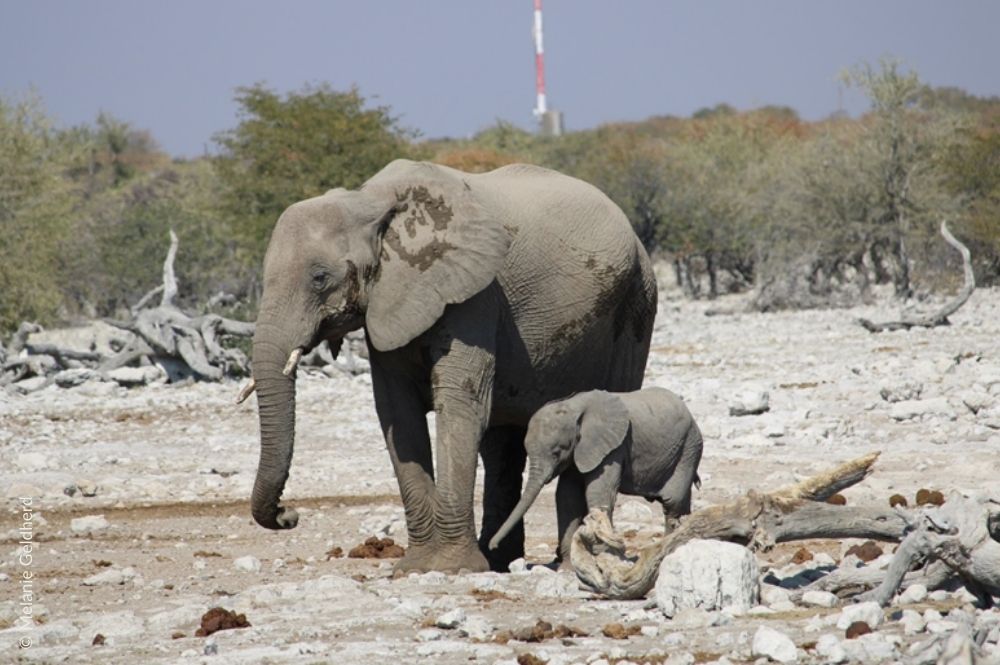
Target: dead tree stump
{"x": 961, "y": 536}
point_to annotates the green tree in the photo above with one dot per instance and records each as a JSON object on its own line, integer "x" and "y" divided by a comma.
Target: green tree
{"x": 289, "y": 148}
{"x": 906, "y": 143}
{"x": 35, "y": 207}
{"x": 972, "y": 173}
{"x": 126, "y": 231}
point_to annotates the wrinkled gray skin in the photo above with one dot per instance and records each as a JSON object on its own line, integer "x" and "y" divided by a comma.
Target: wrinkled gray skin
{"x": 483, "y": 297}
{"x": 643, "y": 443}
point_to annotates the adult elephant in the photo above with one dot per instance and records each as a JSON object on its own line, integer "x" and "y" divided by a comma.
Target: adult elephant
{"x": 483, "y": 297}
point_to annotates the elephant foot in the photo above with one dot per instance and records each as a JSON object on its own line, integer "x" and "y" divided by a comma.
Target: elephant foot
{"x": 444, "y": 557}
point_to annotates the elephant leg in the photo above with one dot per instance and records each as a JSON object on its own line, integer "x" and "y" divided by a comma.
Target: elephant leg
{"x": 503, "y": 456}
{"x": 676, "y": 499}
{"x": 676, "y": 493}
{"x": 462, "y": 359}
{"x": 402, "y": 415}
{"x": 670, "y": 520}
{"x": 571, "y": 508}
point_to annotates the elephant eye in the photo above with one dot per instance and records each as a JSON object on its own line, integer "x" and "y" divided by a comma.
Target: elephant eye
{"x": 320, "y": 279}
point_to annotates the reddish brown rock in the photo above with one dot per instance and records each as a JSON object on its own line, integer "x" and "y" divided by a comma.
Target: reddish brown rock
{"x": 616, "y": 631}
{"x": 866, "y": 551}
{"x": 926, "y": 497}
{"x": 857, "y": 629}
{"x": 217, "y": 619}
{"x": 802, "y": 555}
{"x": 377, "y": 548}
{"x": 898, "y": 500}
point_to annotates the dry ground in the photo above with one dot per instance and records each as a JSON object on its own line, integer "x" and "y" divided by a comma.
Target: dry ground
{"x": 173, "y": 465}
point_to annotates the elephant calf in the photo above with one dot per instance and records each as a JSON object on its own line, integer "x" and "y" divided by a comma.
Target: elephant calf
{"x": 643, "y": 443}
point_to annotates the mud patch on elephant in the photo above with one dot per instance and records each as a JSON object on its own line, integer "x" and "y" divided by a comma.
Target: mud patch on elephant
{"x": 435, "y": 208}
{"x": 421, "y": 259}
{"x": 623, "y": 308}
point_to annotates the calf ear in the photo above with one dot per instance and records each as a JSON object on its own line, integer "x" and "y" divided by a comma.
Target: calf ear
{"x": 440, "y": 246}
{"x": 603, "y": 426}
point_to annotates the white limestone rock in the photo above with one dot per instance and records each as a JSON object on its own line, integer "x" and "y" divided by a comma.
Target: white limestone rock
{"x": 901, "y": 392}
{"x": 248, "y": 564}
{"x": 910, "y": 409}
{"x": 912, "y": 622}
{"x": 476, "y": 627}
{"x": 559, "y": 585}
{"x": 111, "y": 577}
{"x": 829, "y": 650}
{"x": 708, "y": 575}
{"x": 749, "y": 403}
{"x": 89, "y": 524}
{"x": 451, "y": 619}
{"x": 915, "y": 593}
{"x": 976, "y": 400}
{"x": 819, "y": 599}
{"x": 870, "y": 648}
{"x": 137, "y": 376}
{"x": 772, "y": 644}
{"x": 871, "y": 613}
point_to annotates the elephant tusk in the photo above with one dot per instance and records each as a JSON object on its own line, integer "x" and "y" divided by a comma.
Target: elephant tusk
{"x": 293, "y": 360}
{"x": 248, "y": 389}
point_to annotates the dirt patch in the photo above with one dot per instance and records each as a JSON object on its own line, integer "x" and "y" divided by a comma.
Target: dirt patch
{"x": 529, "y": 659}
{"x": 799, "y": 385}
{"x": 541, "y": 631}
{"x": 617, "y": 631}
{"x": 489, "y": 595}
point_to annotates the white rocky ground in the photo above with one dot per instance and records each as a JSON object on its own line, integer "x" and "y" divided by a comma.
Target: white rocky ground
{"x": 170, "y": 470}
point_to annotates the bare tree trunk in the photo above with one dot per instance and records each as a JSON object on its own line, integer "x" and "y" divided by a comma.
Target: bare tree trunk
{"x": 901, "y": 278}
{"x": 169, "y": 279}
{"x": 939, "y": 318}
{"x": 963, "y": 535}
{"x": 761, "y": 520}
{"x": 713, "y": 274}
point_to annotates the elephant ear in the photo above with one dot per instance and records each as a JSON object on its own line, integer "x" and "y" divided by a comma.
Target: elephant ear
{"x": 603, "y": 426}
{"x": 440, "y": 247}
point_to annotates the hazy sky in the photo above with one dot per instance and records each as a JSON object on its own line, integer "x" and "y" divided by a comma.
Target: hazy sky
{"x": 452, "y": 67}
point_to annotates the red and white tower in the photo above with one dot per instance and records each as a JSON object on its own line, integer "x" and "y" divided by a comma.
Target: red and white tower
{"x": 550, "y": 121}
{"x": 539, "y": 62}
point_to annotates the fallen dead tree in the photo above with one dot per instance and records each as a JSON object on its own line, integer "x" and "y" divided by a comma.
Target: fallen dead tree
{"x": 160, "y": 342}
{"x": 180, "y": 344}
{"x": 959, "y": 539}
{"x": 940, "y": 317}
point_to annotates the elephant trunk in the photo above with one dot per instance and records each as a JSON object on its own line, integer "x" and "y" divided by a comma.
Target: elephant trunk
{"x": 536, "y": 480}
{"x": 276, "y": 410}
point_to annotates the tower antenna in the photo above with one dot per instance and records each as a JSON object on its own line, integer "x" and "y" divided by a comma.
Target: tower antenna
{"x": 550, "y": 122}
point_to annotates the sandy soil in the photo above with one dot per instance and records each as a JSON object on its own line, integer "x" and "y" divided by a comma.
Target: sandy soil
{"x": 172, "y": 468}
